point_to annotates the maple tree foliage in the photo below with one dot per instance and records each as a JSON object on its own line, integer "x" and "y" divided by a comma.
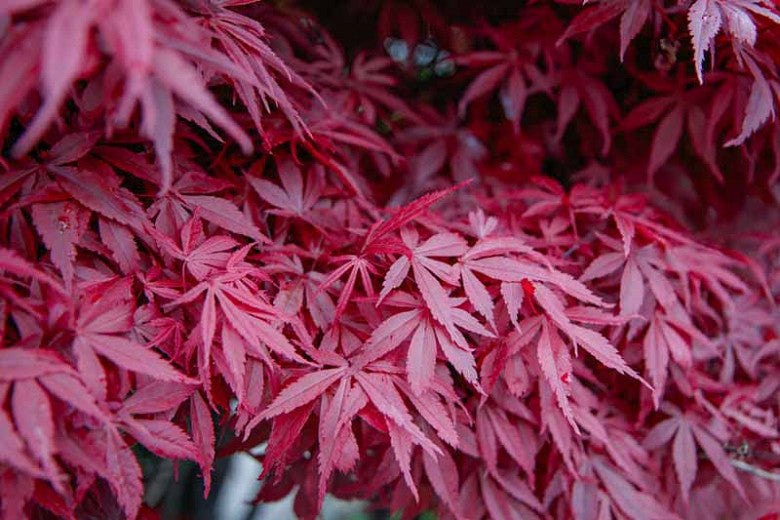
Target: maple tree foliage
{"x": 512, "y": 263}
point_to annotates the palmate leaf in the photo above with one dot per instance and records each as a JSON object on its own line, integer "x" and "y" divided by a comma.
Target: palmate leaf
{"x": 426, "y": 338}
{"x": 100, "y": 327}
{"x": 153, "y": 73}
{"x": 10, "y": 261}
{"x": 37, "y": 381}
{"x": 354, "y": 390}
{"x": 685, "y": 428}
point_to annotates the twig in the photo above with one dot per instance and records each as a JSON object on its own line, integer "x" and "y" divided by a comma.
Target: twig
{"x": 744, "y": 466}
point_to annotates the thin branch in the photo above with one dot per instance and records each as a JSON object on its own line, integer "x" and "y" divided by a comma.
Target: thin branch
{"x": 762, "y": 473}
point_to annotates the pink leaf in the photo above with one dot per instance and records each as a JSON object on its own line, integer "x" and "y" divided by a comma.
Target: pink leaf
{"x": 684, "y": 456}
{"x": 22, "y": 363}
{"x": 704, "y": 21}
{"x": 394, "y": 277}
{"x": 132, "y": 356}
{"x": 10, "y": 261}
{"x": 556, "y": 367}
{"x": 186, "y": 83}
{"x": 157, "y": 397}
{"x": 302, "y": 391}
{"x": 760, "y": 106}
{"x": 717, "y": 455}
{"x": 513, "y": 299}
{"x": 33, "y": 416}
{"x": 163, "y": 438}
{"x": 226, "y": 215}
{"x": 122, "y": 244}
{"x": 202, "y": 427}
{"x": 665, "y": 139}
{"x": 421, "y": 361}
{"x": 656, "y": 358}
{"x": 631, "y": 22}
{"x": 477, "y": 294}
{"x": 443, "y": 476}
{"x": 124, "y": 474}
{"x": 632, "y": 289}
{"x": 72, "y": 391}
{"x": 486, "y": 82}
{"x": 64, "y": 49}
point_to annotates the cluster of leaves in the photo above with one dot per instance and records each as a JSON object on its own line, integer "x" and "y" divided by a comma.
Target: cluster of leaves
{"x": 390, "y": 294}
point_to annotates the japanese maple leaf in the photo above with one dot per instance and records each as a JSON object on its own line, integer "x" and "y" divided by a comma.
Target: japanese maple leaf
{"x": 59, "y": 220}
{"x": 490, "y": 259}
{"x": 428, "y": 271}
{"x": 442, "y": 144}
{"x": 193, "y": 190}
{"x": 104, "y": 453}
{"x": 442, "y": 473}
{"x": 371, "y": 79}
{"x": 512, "y": 69}
{"x": 760, "y": 106}
{"x": 676, "y": 109}
{"x": 661, "y": 340}
{"x": 63, "y": 206}
{"x": 427, "y": 336}
{"x": 95, "y": 186}
{"x": 577, "y": 87}
{"x": 642, "y": 268}
{"x": 555, "y": 363}
{"x": 368, "y": 79}
{"x": 152, "y": 70}
{"x": 354, "y": 385}
{"x": 688, "y": 430}
{"x": 354, "y": 264}
{"x": 11, "y": 262}
{"x": 337, "y": 139}
{"x": 26, "y": 296}
{"x": 547, "y": 197}
{"x": 160, "y": 436}
{"x": 18, "y": 73}
{"x": 670, "y": 330}
{"x": 504, "y": 423}
{"x": 105, "y": 316}
{"x": 624, "y": 497}
{"x": 67, "y": 149}
{"x": 244, "y": 41}
{"x": 203, "y": 436}
{"x": 501, "y": 496}
{"x": 33, "y": 377}
{"x": 744, "y": 342}
{"x": 378, "y": 239}
{"x": 743, "y": 405}
{"x": 553, "y": 355}
{"x": 59, "y": 65}
{"x": 64, "y": 203}
{"x": 617, "y": 437}
{"x": 475, "y": 289}
{"x": 632, "y": 289}
{"x": 201, "y": 256}
{"x": 706, "y": 17}
{"x": 249, "y": 324}
{"x": 633, "y": 15}
{"x": 153, "y": 329}
{"x": 295, "y": 198}
{"x": 713, "y": 267}
{"x": 301, "y": 291}
{"x": 508, "y": 362}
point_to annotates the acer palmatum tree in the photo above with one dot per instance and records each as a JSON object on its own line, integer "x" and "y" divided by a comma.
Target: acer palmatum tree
{"x": 507, "y": 262}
